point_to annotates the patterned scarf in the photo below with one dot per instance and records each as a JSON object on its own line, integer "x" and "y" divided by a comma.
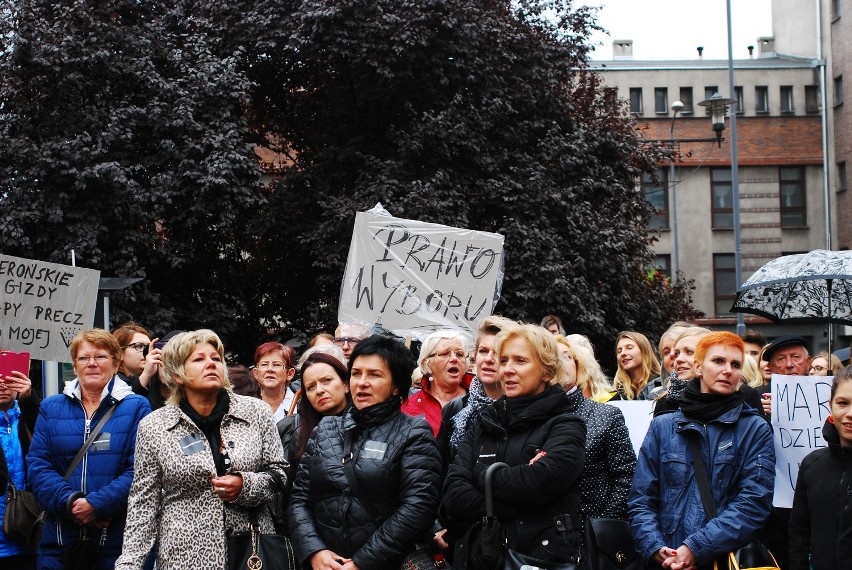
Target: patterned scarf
{"x": 676, "y": 386}
{"x": 476, "y": 400}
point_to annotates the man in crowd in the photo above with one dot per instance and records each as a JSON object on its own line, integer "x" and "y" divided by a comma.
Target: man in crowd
{"x": 347, "y": 335}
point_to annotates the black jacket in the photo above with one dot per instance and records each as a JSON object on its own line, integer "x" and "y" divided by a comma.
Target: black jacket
{"x": 821, "y": 521}
{"x": 538, "y": 503}
{"x": 376, "y": 522}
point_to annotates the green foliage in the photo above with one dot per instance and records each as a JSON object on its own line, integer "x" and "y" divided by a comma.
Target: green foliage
{"x": 473, "y": 114}
{"x": 125, "y": 140}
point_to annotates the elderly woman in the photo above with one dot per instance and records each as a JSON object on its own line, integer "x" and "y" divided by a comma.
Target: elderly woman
{"x": 369, "y": 480}
{"x": 205, "y": 462}
{"x": 441, "y": 373}
{"x": 638, "y": 374}
{"x": 532, "y": 430}
{"x": 85, "y": 501}
{"x": 665, "y": 508}
{"x": 274, "y": 368}
{"x": 610, "y": 459}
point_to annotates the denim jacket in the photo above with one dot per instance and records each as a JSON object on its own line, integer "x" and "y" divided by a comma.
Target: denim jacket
{"x": 664, "y": 503}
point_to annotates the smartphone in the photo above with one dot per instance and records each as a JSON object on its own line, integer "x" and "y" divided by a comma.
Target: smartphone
{"x": 10, "y": 361}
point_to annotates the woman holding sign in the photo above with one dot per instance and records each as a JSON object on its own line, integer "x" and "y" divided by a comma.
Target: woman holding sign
{"x": 821, "y": 522}
{"x": 671, "y": 527}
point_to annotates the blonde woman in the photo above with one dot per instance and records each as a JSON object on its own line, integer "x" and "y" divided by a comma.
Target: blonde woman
{"x": 532, "y": 430}
{"x": 204, "y": 463}
{"x": 638, "y": 372}
{"x": 825, "y": 365}
{"x": 590, "y": 378}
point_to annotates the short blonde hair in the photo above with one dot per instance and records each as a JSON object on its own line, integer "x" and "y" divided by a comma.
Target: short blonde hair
{"x": 177, "y": 351}
{"x": 492, "y": 326}
{"x": 544, "y": 349}
{"x": 751, "y": 372}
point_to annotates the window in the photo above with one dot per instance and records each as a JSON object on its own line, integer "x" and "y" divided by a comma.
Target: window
{"x": 722, "y": 199}
{"x": 835, "y": 8}
{"x": 661, "y": 100}
{"x": 792, "y": 180}
{"x": 686, "y": 99}
{"x": 663, "y": 264}
{"x": 724, "y": 282}
{"x": 709, "y": 91}
{"x": 657, "y": 195}
{"x": 838, "y": 90}
{"x": 812, "y": 103}
{"x": 636, "y": 100}
{"x": 787, "y": 99}
{"x": 740, "y": 104}
{"x": 761, "y": 99}
{"x": 841, "y": 176}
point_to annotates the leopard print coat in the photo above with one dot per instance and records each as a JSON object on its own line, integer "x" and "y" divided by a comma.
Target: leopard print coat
{"x": 171, "y": 501}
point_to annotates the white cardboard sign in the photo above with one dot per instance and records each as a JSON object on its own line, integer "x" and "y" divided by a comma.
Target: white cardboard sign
{"x": 637, "y": 415}
{"x": 415, "y": 277}
{"x": 44, "y": 305}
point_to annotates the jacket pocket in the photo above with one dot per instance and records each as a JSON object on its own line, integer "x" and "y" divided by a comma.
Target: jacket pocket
{"x": 676, "y": 470}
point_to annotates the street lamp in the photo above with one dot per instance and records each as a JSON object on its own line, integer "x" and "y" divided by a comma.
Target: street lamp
{"x": 718, "y": 113}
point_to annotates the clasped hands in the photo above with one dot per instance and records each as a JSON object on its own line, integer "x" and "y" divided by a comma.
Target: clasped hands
{"x": 680, "y": 559}
{"x": 84, "y": 513}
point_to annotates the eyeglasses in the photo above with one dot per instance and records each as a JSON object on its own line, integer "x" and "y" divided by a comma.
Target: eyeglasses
{"x": 340, "y": 341}
{"x": 447, "y": 354}
{"x": 818, "y": 368}
{"x": 271, "y": 366}
{"x": 98, "y": 358}
{"x": 138, "y": 346}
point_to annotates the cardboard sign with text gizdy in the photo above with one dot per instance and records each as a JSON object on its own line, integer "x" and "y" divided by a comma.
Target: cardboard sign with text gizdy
{"x": 44, "y": 305}
{"x": 415, "y": 277}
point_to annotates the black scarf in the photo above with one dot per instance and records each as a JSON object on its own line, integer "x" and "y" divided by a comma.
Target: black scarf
{"x": 210, "y": 426}
{"x": 706, "y": 407}
{"x": 377, "y": 413}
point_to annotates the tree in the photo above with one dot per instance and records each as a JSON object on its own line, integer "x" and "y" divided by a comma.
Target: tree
{"x": 125, "y": 139}
{"x": 473, "y": 114}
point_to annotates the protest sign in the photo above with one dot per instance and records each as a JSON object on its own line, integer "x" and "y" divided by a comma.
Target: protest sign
{"x": 44, "y": 305}
{"x": 414, "y": 277}
{"x": 800, "y": 406}
{"x": 637, "y": 415}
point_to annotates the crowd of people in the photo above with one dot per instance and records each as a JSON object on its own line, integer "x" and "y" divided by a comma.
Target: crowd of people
{"x": 156, "y": 454}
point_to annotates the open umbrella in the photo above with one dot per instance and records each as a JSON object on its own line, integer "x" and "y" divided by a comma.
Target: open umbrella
{"x": 803, "y": 288}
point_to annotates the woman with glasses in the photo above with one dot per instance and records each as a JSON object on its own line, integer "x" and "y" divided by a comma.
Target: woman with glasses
{"x": 86, "y": 507}
{"x": 140, "y": 360}
{"x": 274, "y": 367}
{"x": 824, "y": 364}
{"x": 441, "y": 373}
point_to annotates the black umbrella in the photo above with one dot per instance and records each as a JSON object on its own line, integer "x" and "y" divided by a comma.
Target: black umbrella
{"x": 803, "y": 288}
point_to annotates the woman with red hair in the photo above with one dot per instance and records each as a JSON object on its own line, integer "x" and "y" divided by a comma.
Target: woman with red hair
{"x": 274, "y": 367}
{"x": 670, "y": 525}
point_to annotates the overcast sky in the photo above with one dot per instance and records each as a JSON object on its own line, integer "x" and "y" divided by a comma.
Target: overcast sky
{"x": 672, "y": 29}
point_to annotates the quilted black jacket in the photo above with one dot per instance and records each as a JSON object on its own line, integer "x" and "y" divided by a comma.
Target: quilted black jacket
{"x": 538, "y": 503}
{"x": 376, "y": 522}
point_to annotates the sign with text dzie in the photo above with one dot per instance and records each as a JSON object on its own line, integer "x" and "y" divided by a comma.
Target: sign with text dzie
{"x": 415, "y": 277}
{"x": 800, "y": 406}
{"x": 44, "y": 305}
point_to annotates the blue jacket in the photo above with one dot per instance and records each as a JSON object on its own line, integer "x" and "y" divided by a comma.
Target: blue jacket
{"x": 104, "y": 475}
{"x": 10, "y": 420}
{"x": 664, "y": 503}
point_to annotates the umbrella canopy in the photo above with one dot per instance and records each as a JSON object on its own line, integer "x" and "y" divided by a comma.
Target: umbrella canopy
{"x": 803, "y": 288}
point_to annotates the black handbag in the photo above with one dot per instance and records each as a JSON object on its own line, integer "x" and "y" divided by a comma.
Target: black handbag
{"x": 610, "y": 546}
{"x": 23, "y": 518}
{"x": 253, "y": 550}
{"x": 484, "y": 542}
{"x": 751, "y": 556}
{"x": 84, "y": 554}
{"x": 514, "y": 560}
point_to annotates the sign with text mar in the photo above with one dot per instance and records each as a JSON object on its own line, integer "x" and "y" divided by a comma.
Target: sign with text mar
{"x": 800, "y": 406}
{"x": 44, "y": 305}
{"x": 415, "y": 277}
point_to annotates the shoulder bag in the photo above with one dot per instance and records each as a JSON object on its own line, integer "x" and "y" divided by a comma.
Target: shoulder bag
{"x": 253, "y": 550}
{"x": 423, "y": 557}
{"x": 24, "y": 517}
{"x": 752, "y": 556}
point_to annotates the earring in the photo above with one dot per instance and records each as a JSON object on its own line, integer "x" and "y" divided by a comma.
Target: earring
{"x": 831, "y": 420}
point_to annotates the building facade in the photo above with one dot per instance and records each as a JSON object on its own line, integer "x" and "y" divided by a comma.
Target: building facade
{"x": 783, "y": 185}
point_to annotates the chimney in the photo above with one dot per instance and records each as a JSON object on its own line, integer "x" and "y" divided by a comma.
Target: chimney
{"x": 751, "y": 52}
{"x": 622, "y": 49}
{"x": 700, "y": 52}
{"x": 766, "y": 46}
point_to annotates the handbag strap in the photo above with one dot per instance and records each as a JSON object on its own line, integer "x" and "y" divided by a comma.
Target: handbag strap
{"x": 91, "y": 439}
{"x": 701, "y": 477}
